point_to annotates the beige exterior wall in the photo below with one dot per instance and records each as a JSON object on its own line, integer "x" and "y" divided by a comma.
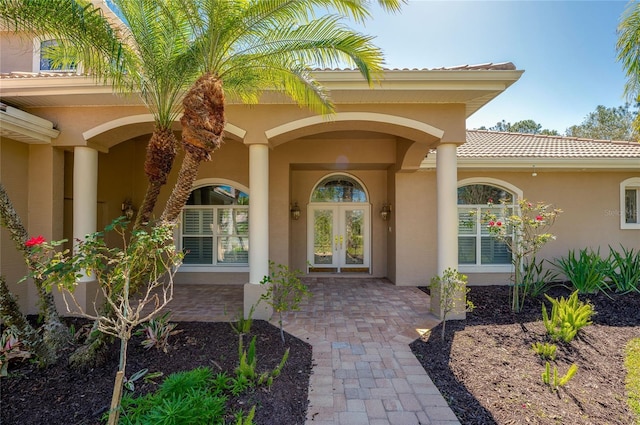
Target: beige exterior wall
{"x": 590, "y": 201}
{"x": 14, "y": 173}
{"x": 17, "y": 53}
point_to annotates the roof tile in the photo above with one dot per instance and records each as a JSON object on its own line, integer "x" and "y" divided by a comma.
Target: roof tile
{"x": 493, "y": 144}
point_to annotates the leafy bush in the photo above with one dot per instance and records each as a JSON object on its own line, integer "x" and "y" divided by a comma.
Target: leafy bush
{"x": 525, "y": 230}
{"x": 568, "y": 316}
{"x": 545, "y": 350}
{"x": 10, "y": 348}
{"x": 586, "y": 271}
{"x": 452, "y": 287}
{"x": 623, "y": 269}
{"x": 183, "y": 398}
{"x": 553, "y": 380}
{"x": 246, "y": 373}
{"x": 536, "y": 279}
{"x": 157, "y": 332}
{"x": 285, "y": 292}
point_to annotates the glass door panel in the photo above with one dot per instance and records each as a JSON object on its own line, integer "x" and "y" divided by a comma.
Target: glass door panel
{"x": 354, "y": 237}
{"x": 339, "y": 238}
{"x": 323, "y": 235}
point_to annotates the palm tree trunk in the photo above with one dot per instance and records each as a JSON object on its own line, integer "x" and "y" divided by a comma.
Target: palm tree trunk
{"x": 161, "y": 152}
{"x": 56, "y": 333}
{"x": 202, "y": 126}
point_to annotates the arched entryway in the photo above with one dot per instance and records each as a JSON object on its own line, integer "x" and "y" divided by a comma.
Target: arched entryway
{"x": 339, "y": 226}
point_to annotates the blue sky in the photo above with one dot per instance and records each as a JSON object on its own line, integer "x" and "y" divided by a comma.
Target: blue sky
{"x": 566, "y": 48}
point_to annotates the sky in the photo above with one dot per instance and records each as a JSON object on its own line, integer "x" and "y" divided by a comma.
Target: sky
{"x": 566, "y": 48}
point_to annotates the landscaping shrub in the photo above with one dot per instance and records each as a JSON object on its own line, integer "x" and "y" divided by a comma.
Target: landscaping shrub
{"x": 587, "y": 271}
{"x": 568, "y": 316}
{"x": 183, "y": 398}
{"x": 622, "y": 269}
{"x": 536, "y": 279}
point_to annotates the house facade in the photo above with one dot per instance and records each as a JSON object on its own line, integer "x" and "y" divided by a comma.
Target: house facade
{"x": 373, "y": 190}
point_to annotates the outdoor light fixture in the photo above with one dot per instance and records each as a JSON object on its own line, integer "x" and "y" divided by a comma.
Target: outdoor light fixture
{"x": 295, "y": 211}
{"x": 127, "y": 209}
{"x": 533, "y": 174}
{"x": 385, "y": 212}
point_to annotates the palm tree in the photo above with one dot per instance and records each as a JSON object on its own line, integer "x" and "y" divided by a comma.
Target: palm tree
{"x": 244, "y": 47}
{"x": 145, "y": 55}
{"x": 628, "y": 47}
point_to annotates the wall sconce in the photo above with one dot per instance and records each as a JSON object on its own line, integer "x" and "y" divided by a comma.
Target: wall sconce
{"x": 385, "y": 212}
{"x": 295, "y": 211}
{"x": 127, "y": 209}
{"x": 533, "y": 174}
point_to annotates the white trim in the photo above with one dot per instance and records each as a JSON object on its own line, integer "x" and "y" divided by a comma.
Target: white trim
{"x": 339, "y": 173}
{"x": 518, "y": 195}
{"x": 541, "y": 163}
{"x": 147, "y": 118}
{"x": 213, "y": 268}
{"x": 37, "y": 51}
{"x": 493, "y": 268}
{"x": 493, "y": 182}
{"x": 209, "y": 181}
{"x": 372, "y": 117}
{"x": 630, "y": 183}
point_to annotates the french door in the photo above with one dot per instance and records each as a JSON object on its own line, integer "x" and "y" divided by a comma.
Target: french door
{"x": 339, "y": 238}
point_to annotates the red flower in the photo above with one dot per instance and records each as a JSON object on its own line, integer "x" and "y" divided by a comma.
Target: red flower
{"x": 538, "y": 218}
{"x": 529, "y": 204}
{"x": 492, "y": 223}
{"x": 499, "y": 223}
{"x": 39, "y": 240}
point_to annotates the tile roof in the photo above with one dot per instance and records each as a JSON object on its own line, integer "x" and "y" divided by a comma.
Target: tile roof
{"x": 503, "y": 66}
{"x": 493, "y": 144}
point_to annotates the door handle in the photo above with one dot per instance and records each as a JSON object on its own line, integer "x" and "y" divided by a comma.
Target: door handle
{"x": 341, "y": 240}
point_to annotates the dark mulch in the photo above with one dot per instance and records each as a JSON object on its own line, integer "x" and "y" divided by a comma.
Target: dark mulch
{"x": 62, "y": 395}
{"x": 489, "y": 374}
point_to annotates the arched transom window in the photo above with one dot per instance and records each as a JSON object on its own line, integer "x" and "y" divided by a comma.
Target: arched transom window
{"x": 477, "y": 249}
{"x": 339, "y": 188}
{"x": 215, "y": 226}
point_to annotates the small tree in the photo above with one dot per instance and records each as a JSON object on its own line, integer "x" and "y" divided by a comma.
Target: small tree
{"x": 285, "y": 292}
{"x": 452, "y": 287}
{"x": 524, "y": 230}
{"x": 149, "y": 257}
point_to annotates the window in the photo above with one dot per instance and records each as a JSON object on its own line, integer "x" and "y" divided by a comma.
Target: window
{"x": 630, "y": 203}
{"x": 477, "y": 249}
{"x": 215, "y": 227}
{"x": 339, "y": 188}
{"x": 44, "y": 63}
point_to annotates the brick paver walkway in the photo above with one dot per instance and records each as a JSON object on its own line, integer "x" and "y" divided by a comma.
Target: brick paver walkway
{"x": 364, "y": 371}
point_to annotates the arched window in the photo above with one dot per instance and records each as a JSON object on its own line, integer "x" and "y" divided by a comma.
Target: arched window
{"x": 215, "y": 226}
{"x": 477, "y": 249}
{"x": 339, "y": 188}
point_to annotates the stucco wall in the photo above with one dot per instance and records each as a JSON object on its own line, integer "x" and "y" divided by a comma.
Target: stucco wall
{"x": 16, "y": 54}
{"x": 14, "y": 168}
{"x": 416, "y": 232}
{"x": 590, "y": 201}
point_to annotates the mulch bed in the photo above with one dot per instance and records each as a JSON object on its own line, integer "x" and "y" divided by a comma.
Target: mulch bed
{"x": 489, "y": 374}
{"x": 62, "y": 395}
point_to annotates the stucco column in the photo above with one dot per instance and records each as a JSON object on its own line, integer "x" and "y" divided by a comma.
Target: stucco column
{"x": 258, "y": 231}
{"x": 447, "y": 220}
{"x": 85, "y": 209}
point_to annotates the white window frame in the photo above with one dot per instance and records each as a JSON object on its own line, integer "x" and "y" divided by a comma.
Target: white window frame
{"x": 518, "y": 194}
{"x": 37, "y": 51}
{"x": 178, "y": 235}
{"x": 630, "y": 183}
